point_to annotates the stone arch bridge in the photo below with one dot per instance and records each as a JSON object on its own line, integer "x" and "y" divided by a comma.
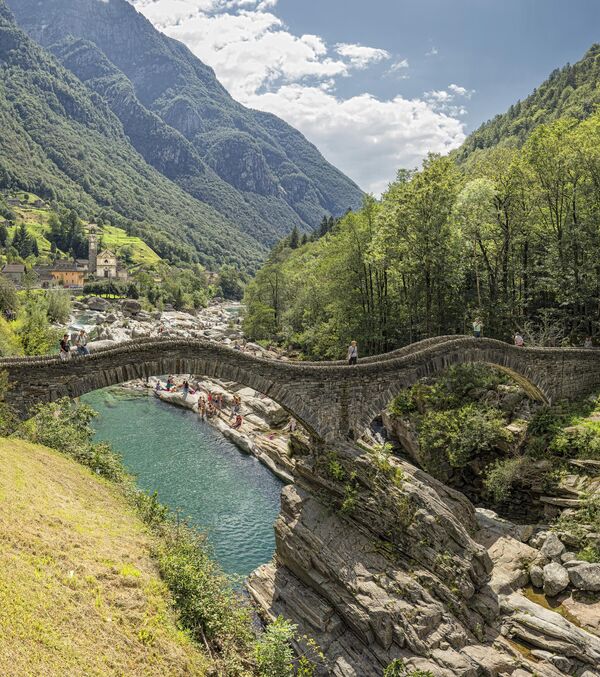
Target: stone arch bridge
{"x": 330, "y": 399}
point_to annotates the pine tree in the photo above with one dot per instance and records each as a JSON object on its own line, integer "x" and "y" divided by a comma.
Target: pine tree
{"x": 294, "y": 240}
{"x": 3, "y": 235}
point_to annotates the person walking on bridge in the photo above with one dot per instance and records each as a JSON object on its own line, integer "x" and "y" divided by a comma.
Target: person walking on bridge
{"x": 81, "y": 343}
{"x": 352, "y": 353}
{"x": 477, "y": 327}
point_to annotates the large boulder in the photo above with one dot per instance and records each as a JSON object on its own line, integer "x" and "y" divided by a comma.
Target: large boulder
{"x": 585, "y": 576}
{"x": 97, "y": 303}
{"x": 131, "y": 306}
{"x": 536, "y": 575}
{"x": 556, "y": 579}
{"x": 552, "y": 548}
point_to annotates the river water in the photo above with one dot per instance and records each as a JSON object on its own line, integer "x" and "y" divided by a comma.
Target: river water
{"x": 227, "y": 494}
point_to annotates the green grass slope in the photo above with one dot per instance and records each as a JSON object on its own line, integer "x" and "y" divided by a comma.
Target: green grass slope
{"x": 79, "y": 593}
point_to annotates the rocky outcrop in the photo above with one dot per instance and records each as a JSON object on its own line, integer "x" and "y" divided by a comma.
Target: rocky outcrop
{"x": 377, "y": 560}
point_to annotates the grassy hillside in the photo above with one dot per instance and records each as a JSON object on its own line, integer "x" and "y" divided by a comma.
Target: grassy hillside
{"x": 117, "y": 239}
{"x": 79, "y": 593}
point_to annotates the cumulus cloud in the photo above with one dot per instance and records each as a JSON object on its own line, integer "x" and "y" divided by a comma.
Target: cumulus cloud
{"x": 361, "y": 56}
{"x": 367, "y": 138}
{"x": 447, "y": 100}
{"x": 265, "y": 65}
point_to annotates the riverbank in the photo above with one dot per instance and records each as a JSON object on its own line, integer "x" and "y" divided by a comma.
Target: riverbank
{"x": 227, "y": 495}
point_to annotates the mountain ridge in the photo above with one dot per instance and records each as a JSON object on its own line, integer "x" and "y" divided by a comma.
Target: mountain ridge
{"x": 62, "y": 141}
{"x": 282, "y": 179}
{"x": 572, "y": 90}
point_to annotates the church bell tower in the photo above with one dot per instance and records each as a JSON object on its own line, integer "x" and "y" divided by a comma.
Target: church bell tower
{"x": 93, "y": 249}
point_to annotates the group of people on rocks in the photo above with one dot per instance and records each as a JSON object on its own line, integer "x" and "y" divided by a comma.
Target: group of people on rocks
{"x": 208, "y": 406}
{"x": 79, "y": 342}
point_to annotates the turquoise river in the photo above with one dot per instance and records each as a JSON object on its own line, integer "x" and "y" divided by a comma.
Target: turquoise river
{"x": 227, "y": 494}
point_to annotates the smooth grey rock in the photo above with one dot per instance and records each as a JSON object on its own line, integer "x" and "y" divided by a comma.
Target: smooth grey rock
{"x": 131, "y": 306}
{"x": 556, "y": 579}
{"x": 553, "y": 547}
{"x": 536, "y": 575}
{"x": 97, "y": 303}
{"x": 585, "y": 576}
{"x": 568, "y": 556}
{"x": 537, "y": 540}
{"x": 562, "y": 663}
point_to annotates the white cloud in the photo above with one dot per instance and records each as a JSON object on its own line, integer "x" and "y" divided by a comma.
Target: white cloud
{"x": 365, "y": 137}
{"x": 432, "y": 52}
{"x": 361, "y": 56}
{"x": 265, "y": 65}
{"x": 461, "y": 91}
{"x": 444, "y": 100}
{"x": 399, "y": 65}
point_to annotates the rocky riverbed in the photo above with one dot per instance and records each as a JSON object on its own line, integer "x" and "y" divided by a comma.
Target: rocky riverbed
{"x": 263, "y": 432}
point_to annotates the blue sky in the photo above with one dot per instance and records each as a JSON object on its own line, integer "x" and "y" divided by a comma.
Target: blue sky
{"x": 377, "y": 84}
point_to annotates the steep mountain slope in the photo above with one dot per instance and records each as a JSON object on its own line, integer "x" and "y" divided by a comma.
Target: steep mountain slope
{"x": 282, "y": 177}
{"x": 573, "y": 90}
{"x": 162, "y": 146}
{"x": 63, "y": 142}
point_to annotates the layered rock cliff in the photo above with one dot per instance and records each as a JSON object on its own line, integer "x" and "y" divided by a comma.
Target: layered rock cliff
{"x": 378, "y": 561}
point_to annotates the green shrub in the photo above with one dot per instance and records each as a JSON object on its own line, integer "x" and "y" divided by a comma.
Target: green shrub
{"x": 34, "y": 332}
{"x": 403, "y": 404}
{"x": 544, "y": 422}
{"x": 379, "y": 456}
{"x": 460, "y": 434}
{"x": 273, "y": 652}
{"x": 584, "y": 442}
{"x": 59, "y": 306}
{"x": 589, "y": 554}
{"x": 502, "y": 476}
{"x": 397, "y": 668}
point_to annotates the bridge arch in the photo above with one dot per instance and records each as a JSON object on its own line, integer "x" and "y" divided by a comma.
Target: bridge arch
{"x": 46, "y": 379}
{"x": 330, "y": 400}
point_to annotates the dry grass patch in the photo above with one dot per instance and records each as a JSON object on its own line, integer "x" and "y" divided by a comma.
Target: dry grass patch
{"x": 79, "y": 592}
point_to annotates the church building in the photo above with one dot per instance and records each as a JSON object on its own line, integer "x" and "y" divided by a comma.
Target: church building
{"x": 105, "y": 264}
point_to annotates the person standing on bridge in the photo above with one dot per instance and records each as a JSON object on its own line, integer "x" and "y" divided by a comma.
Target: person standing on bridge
{"x": 81, "y": 343}
{"x": 65, "y": 348}
{"x": 352, "y": 353}
{"x": 519, "y": 340}
{"x": 477, "y": 327}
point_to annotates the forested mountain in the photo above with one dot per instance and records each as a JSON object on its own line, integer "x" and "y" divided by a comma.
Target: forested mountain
{"x": 570, "y": 91}
{"x": 254, "y": 168}
{"x": 61, "y": 141}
